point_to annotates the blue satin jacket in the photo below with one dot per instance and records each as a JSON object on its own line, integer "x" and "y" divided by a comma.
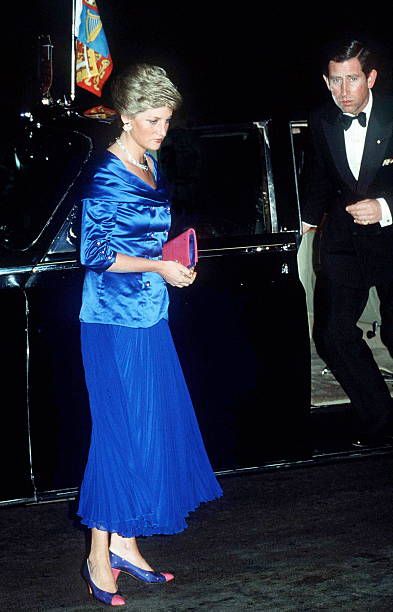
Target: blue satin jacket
{"x": 123, "y": 214}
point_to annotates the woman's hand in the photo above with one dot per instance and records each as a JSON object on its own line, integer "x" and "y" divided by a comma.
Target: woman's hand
{"x": 176, "y": 274}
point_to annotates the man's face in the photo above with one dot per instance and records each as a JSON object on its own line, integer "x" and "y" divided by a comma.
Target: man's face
{"x": 349, "y": 85}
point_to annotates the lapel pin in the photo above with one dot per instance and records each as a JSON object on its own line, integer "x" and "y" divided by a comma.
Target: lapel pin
{"x": 378, "y": 141}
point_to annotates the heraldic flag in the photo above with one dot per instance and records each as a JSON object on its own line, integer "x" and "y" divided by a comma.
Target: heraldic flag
{"x": 93, "y": 60}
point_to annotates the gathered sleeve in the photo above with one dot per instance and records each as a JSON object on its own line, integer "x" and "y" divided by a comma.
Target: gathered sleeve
{"x": 98, "y": 222}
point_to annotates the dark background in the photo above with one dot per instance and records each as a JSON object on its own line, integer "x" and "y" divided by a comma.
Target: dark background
{"x": 231, "y": 62}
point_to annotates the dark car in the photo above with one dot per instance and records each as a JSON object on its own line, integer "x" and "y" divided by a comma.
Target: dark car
{"x": 241, "y": 330}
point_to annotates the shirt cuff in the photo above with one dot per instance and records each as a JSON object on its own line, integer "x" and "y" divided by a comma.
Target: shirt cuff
{"x": 386, "y": 214}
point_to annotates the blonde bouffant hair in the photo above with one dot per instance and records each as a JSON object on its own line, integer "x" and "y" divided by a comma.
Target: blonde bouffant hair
{"x": 141, "y": 87}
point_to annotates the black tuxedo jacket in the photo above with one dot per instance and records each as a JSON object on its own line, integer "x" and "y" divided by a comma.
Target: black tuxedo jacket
{"x": 351, "y": 254}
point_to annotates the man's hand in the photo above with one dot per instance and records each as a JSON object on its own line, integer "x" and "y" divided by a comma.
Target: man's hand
{"x": 365, "y": 212}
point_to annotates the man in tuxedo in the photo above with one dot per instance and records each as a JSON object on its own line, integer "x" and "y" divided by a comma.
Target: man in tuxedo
{"x": 350, "y": 197}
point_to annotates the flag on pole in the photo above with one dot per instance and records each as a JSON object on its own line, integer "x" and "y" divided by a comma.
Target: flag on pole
{"x": 92, "y": 57}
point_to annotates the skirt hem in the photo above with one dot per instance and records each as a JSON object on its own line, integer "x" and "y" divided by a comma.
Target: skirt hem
{"x": 146, "y": 530}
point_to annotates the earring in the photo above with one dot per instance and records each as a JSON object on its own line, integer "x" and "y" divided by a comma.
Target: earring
{"x": 127, "y": 127}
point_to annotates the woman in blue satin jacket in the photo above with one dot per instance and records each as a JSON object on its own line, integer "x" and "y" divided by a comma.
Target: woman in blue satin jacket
{"x": 147, "y": 466}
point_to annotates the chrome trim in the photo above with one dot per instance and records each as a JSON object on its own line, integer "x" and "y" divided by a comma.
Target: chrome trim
{"x": 263, "y": 127}
{"x": 45, "y": 497}
{"x": 56, "y": 495}
{"x": 318, "y": 458}
{"x": 56, "y": 265}
{"x": 223, "y": 134}
{"x": 17, "y": 501}
{"x": 258, "y": 248}
{"x": 21, "y": 270}
{"x": 27, "y": 330}
{"x": 296, "y": 125}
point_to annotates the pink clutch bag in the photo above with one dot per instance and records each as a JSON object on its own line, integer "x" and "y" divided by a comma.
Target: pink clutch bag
{"x": 183, "y": 248}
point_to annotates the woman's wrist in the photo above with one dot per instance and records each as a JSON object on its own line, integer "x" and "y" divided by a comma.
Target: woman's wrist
{"x": 158, "y": 266}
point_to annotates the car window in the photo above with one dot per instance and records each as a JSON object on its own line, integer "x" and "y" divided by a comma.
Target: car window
{"x": 37, "y": 171}
{"x": 220, "y": 179}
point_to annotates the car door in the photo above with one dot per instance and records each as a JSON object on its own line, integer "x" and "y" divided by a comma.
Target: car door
{"x": 39, "y": 300}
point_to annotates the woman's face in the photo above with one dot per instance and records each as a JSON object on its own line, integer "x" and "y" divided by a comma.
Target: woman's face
{"x": 149, "y": 128}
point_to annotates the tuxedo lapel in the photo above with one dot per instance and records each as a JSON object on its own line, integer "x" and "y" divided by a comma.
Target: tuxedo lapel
{"x": 379, "y": 132}
{"x": 334, "y": 134}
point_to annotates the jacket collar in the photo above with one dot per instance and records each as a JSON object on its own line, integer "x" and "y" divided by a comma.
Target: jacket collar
{"x": 334, "y": 134}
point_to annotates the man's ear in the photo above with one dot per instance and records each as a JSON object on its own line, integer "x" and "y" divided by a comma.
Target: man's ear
{"x": 372, "y": 78}
{"x": 326, "y": 81}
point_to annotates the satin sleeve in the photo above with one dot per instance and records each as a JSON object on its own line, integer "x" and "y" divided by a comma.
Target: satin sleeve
{"x": 98, "y": 222}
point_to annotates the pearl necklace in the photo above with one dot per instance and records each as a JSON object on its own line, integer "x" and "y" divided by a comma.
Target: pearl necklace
{"x": 133, "y": 161}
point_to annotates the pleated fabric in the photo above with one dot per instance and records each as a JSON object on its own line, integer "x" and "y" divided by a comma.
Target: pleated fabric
{"x": 147, "y": 466}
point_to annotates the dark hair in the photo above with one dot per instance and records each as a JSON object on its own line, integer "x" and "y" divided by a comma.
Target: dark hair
{"x": 341, "y": 51}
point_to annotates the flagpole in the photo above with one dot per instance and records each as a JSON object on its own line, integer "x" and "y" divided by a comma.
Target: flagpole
{"x": 72, "y": 90}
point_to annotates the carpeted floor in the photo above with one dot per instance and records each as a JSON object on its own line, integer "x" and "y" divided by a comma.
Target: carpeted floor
{"x": 301, "y": 539}
{"x": 325, "y": 390}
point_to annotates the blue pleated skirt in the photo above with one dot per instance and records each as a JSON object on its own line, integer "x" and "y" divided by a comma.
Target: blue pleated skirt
{"x": 147, "y": 466}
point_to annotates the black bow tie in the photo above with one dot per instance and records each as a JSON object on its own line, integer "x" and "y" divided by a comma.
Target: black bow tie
{"x": 346, "y": 120}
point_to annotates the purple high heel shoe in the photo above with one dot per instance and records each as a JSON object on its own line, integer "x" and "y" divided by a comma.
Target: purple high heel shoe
{"x": 122, "y": 565}
{"x": 110, "y": 599}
